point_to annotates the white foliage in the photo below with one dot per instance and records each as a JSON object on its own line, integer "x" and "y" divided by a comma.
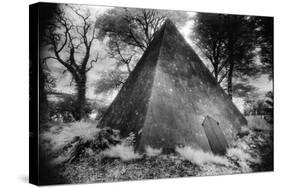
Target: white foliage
{"x": 243, "y": 158}
{"x": 151, "y": 152}
{"x": 122, "y": 151}
{"x": 245, "y": 129}
{"x": 57, "y": 137}
{"x": 238, "y": 153}
{"x": 199, "y": 157}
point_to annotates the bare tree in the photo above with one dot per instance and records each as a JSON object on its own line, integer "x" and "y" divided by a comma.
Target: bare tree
{"x": 70, "y": 41}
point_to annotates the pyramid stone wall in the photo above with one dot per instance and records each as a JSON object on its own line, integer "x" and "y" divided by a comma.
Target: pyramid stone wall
{"x": 128, "y": 110}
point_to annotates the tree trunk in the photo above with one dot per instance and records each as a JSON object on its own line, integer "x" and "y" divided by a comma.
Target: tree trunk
{"x": 216, "y": 71}
{"x": 81, "y": 98}
{"x": 128, "y": 68}
{"x": 229, "y": 79}
{"x": 231, "y": 63}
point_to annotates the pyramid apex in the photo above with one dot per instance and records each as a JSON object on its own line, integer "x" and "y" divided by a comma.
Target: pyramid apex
{"x": 169, "y": 23}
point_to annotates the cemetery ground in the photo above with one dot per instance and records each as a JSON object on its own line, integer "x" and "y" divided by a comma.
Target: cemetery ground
{"x": 79, "y": 152}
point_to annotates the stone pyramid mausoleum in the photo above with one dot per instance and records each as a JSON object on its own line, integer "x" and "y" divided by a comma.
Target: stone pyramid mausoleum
{"x": 171, "y": 99}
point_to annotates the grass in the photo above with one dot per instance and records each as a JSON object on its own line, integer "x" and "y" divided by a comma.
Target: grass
{"x": 59, "y": 135}
{"x": 199, "y": 157}
{"x": 152, "y": 152}
{"x": 122, "y": 151}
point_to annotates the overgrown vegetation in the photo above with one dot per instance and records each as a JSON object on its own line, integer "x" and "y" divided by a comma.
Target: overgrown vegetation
{"x": 83, "y": 153}
{"x": 66, "y": 110}
{"x": 199, "y": 157}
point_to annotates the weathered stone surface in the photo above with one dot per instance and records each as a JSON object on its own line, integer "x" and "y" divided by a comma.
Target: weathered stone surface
{"x": 216, "y": 138}
{"x": 168, "y": 95}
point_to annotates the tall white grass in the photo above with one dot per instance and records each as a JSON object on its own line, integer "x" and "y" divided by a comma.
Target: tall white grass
{"x": 122, "y": 151}
{"x": 152, "y": 152}
{"x": 199, "y": 157}
{"x": 57, "y": 137}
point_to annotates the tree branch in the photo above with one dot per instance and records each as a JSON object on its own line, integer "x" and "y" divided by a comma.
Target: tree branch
{"x": 223, "y": 77}
{"x": 92, "y": 61}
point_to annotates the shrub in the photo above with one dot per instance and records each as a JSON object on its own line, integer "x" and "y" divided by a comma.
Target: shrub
{"x": 122, "y": 151}
{"x": 67, "y": 109}
{"x": 59, "y": 135}
{"x": 199, "y": 157}
{"x": 242, "y": 158}
{"x": 130, "y": 140}
{"x": 152, "y": 152}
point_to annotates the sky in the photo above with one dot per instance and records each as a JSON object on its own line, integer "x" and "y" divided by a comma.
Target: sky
{"x": 104, "y": 64}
